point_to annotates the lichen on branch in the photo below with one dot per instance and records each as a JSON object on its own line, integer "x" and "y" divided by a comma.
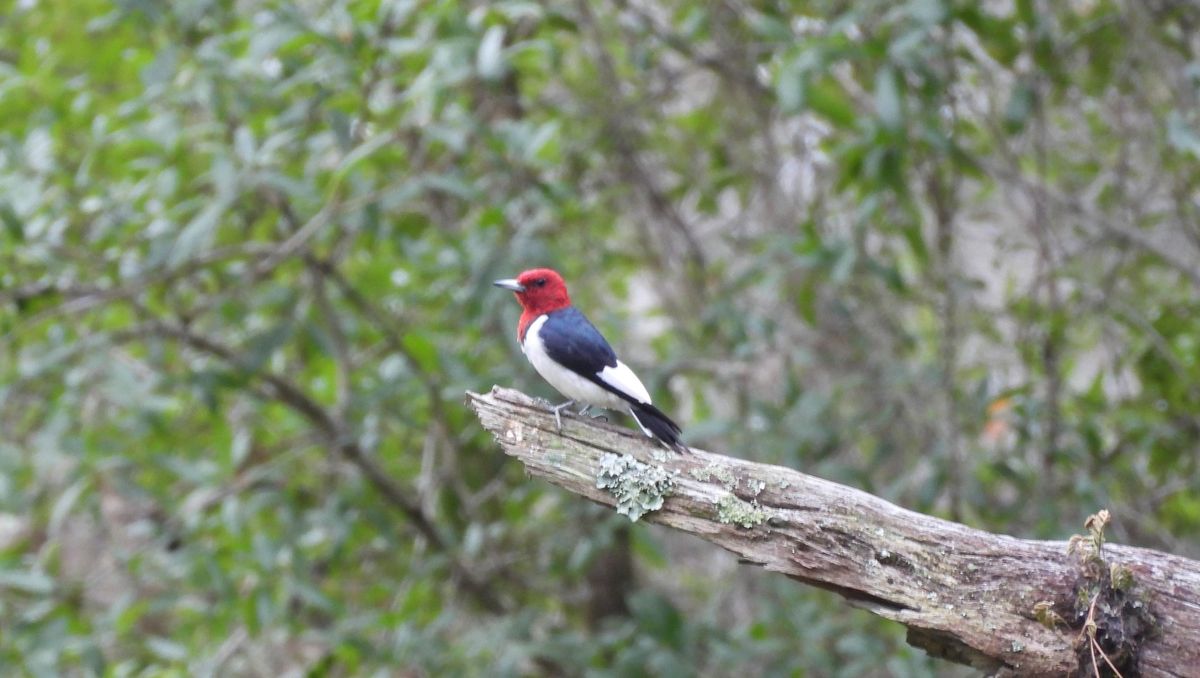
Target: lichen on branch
{"x": 638, "y": 488}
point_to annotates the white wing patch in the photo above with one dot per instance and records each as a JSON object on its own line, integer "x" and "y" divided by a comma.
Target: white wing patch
{"x": 624, "y": 380}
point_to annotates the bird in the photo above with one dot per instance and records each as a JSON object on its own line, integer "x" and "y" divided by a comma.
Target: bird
{"x": 570, "y": 353}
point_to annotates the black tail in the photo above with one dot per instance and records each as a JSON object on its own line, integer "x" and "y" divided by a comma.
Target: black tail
{"x": 654, "y": 422}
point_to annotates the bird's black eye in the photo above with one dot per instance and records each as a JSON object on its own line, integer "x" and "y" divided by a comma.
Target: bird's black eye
{"x": 540, "y": 282}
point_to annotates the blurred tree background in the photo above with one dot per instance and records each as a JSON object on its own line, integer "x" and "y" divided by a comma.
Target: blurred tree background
{"x": 946, "y": 251}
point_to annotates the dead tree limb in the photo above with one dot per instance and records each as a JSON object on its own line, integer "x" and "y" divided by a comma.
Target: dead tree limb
{"x": 965, "y": 595}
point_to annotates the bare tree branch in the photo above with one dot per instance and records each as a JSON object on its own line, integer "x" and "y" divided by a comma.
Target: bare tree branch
{"x": 1187, "y": 264}
{"x": 964, "y": 594}
{"x": 627, "y": 142}
{"x": 339, "y": 440}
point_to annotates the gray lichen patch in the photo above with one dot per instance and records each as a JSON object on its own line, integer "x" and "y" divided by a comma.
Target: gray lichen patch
{"x": 731, "y": 510}
{"x": 755, "y": 486}
{"x": 638, "y": 488}
{"x": 715, "y": 470}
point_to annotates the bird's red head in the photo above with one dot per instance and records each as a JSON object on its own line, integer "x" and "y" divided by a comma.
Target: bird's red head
{"x": 540, "y": 290}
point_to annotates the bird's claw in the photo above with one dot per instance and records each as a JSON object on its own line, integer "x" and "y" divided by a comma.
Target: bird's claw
{"x": 565, "y": 407}
{"x": 558, "y": 413}
{"x": 601, "y": 417}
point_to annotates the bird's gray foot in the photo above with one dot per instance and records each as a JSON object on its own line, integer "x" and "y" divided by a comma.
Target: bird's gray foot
{"x": 601, "y": 417}
{"x": 558, "y": 413}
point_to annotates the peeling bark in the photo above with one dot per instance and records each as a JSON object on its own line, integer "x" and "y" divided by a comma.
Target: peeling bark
{"x": 965, "y": 595}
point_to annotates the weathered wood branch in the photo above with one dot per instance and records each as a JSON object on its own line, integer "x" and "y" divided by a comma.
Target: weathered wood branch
{"x": 965, "y": 595}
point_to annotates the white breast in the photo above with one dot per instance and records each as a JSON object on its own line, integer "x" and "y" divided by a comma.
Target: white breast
{"x": 577, "y": 387}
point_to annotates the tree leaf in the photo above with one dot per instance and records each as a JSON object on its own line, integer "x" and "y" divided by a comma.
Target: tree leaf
{"x": 422, "y": 349}
{"x": 26, "y": 581}
{"x": 12, "y": 222}
{"x": 490, "y": 59}
{"x": 827, "y": 98}
{"x": 888, "y": 102}
{"x": 198, "y": 235}
{"x": 1020, "y": 106}
{"x": 1181, "y": 136}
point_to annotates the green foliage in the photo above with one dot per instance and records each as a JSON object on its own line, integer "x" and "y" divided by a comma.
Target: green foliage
{"x": 936, "y": 249}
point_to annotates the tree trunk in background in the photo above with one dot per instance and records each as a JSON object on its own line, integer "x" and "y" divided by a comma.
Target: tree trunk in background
{"x": 610, "y": 579}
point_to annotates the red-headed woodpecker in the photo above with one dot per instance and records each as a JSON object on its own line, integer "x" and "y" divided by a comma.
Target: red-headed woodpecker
{"x": 569, "y": 352}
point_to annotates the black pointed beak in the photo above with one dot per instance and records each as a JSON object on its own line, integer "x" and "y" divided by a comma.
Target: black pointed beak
{"x": 510, "y": 284}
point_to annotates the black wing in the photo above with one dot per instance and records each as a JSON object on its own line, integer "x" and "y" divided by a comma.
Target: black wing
{"x": 573, "y": 342}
